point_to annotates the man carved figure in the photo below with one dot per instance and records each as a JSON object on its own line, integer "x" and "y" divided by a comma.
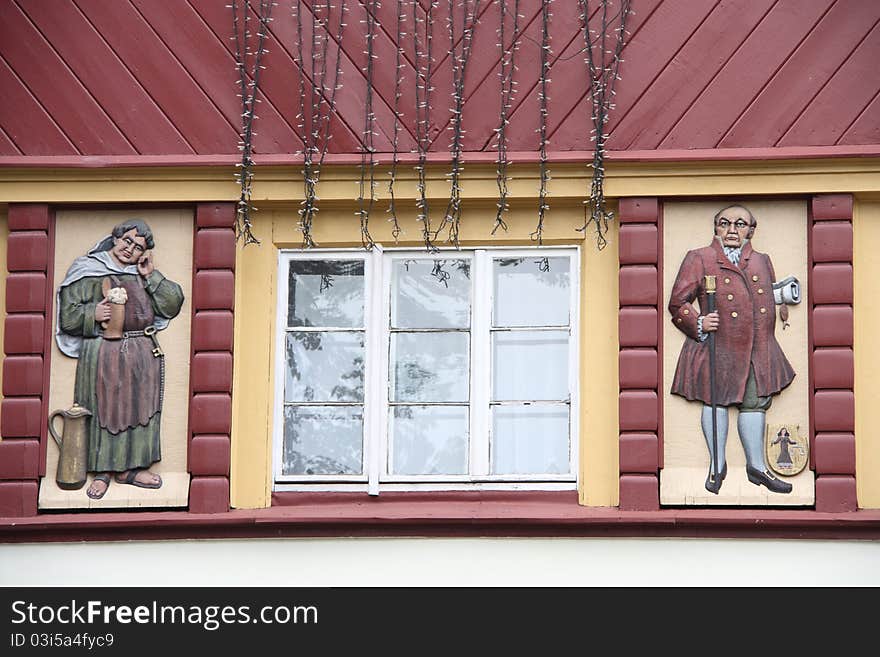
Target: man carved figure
{"x": 750, "y": 367}
{"x": 110, "y": 305}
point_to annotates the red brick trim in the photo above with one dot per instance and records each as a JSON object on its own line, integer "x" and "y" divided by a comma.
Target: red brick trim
{"x": 830, "y": 293}
{"x": 211, "y": 372}
{"x": 19, "y": 460}
{"x": 640, "y": 412}
{"x": 835, "y": 453}
{"x": 26, "y": 348}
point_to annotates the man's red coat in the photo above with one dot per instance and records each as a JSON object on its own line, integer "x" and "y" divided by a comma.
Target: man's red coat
{"x": 746, "y": 332}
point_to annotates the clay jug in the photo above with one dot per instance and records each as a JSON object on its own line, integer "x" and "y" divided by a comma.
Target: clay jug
{"x": 73, "y": 445}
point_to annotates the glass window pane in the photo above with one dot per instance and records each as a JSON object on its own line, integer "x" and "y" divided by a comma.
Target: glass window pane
{"x": 323, "y": 440}
{"x": 429, "y": 367}
{"x": 429, "y": 440}
{"x": 529, "y": 365}
{"x": 530, "y": 439}
{"x": 431, "y": 293}
{"x": 324, "y": 366}
{"x": 326, "y": 293}
{"x": 531, "y": 291}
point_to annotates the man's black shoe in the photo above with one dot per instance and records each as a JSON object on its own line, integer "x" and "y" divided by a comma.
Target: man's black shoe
{"x": 766, "y": 479}
{"x": 713, "y": 484}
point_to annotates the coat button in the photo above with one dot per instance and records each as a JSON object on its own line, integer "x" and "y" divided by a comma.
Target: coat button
{"x": 727, "y": 280}
{"x": 763, "y": 310}
{"x": 734, "y": 314}
{"x": 730, "y": 297}
{"x": 755, "y": 278}
{"x": 679, "y": 320}
{"x": 760, "y": 290}
{"x": 685, "y": 312}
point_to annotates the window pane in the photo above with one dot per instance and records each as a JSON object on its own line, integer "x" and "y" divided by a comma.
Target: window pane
{"x": 429, "y": 440}
{"x": 531, "y": 291}
{"x": 529, "y": 365}
{"x": 326, "y": 293}
{"x": 323, "y": 440}
{"x": 431, "y": 294}
{"x": 530, "y": 439}
{"x": 325, "y": 366}
{"x": 429, "y": 367}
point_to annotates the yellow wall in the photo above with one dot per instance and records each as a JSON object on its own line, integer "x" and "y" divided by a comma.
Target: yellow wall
{"x": 866, "y": 266}
{"x": 338, "y": 227}
{"x": 277, "y": 192}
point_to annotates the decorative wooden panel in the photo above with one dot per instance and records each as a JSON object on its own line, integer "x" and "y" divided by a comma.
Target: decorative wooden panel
{"x": 89, "y": 77}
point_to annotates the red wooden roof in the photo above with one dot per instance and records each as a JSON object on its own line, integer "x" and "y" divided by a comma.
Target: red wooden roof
{"x": 140, "y": 77}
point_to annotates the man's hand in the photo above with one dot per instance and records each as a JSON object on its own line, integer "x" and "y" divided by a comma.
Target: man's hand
{"x": 145, "y": 264}
{"x": 710, "y": 322}
{"x": 102, "y": 311}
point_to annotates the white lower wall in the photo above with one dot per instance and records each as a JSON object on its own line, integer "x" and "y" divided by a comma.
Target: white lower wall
{"x": 446, "y": 562}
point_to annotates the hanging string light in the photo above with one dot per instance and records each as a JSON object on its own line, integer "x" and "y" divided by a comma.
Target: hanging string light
{"x": 314, "y": 117}
{"x": 459, "y": 56}
{"x": 603, "y": 73}
{"x": 424, "y": 60}
{"x": 368, "y": 160}
{"x": 508, "y": 89}
{"x": 543, "y": 171}
{"x": 395, "y": 138}
{"x": 248, "y": 64}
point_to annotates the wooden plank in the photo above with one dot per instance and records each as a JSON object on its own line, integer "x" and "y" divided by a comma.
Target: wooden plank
{"x": 866, "y": 128}
{"x": 652, "y": 45}
{"x": 482, "y": 53}
{"x": 280, "y": 81}
{"x": 100, "y": 71}
{"x": 802, "y": 76}
{"x": 26, "y": 122}
{"x": 347, "y": 123}
{"x": 482, "y": 89}
{"x": 354, "y": 77}
{"x": 384, "y": 73}
{"x": 7, "y": 146}
{"x": 162, "y": 76}
{"x": 747, "y": 71}
{"x": 483, "y": 105}
{"x": 840, "y": 102}
{"x": 645, "y": 123}
{"x": 213, "y": 68}
{"x": 566, "y": 68}
{"x": 56, "y": 88}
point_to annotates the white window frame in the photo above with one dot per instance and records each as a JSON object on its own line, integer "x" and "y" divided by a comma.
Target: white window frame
{"x": 377, "y": 308}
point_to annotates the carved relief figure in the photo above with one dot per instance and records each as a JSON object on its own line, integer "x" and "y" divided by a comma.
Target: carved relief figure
{"x": 738, "y": 334}
{"x": 111, "y": 304}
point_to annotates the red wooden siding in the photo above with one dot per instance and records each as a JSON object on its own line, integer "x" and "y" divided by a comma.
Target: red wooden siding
{"x": 130, "y": 77}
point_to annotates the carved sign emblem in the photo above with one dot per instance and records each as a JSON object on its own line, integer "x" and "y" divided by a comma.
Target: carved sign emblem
{"x": 786, "y": 450}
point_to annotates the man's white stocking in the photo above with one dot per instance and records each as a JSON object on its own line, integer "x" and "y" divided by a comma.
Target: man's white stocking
{"x": 721, "y": 427}
{"x": 751, "y": 434}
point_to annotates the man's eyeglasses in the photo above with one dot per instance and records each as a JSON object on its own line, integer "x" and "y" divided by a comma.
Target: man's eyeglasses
{"x": 739, "y": 224}
{"x": 134, "y": 246}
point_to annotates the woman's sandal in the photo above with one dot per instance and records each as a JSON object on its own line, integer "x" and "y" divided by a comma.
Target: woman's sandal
{"x": 130, "y": 478}
{"x": 103, "y": 477}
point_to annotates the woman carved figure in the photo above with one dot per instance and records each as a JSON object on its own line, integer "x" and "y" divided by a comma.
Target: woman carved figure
{"x": 110, "y": 305}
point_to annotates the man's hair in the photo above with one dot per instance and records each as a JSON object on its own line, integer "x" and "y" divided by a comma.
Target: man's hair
{"x": 141, "y": 230}
{"x": 753, "y": 223}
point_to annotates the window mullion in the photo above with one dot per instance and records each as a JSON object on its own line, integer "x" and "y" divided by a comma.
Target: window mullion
{"x": 480, "y": 376}
{"x": 375, "y": 396}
